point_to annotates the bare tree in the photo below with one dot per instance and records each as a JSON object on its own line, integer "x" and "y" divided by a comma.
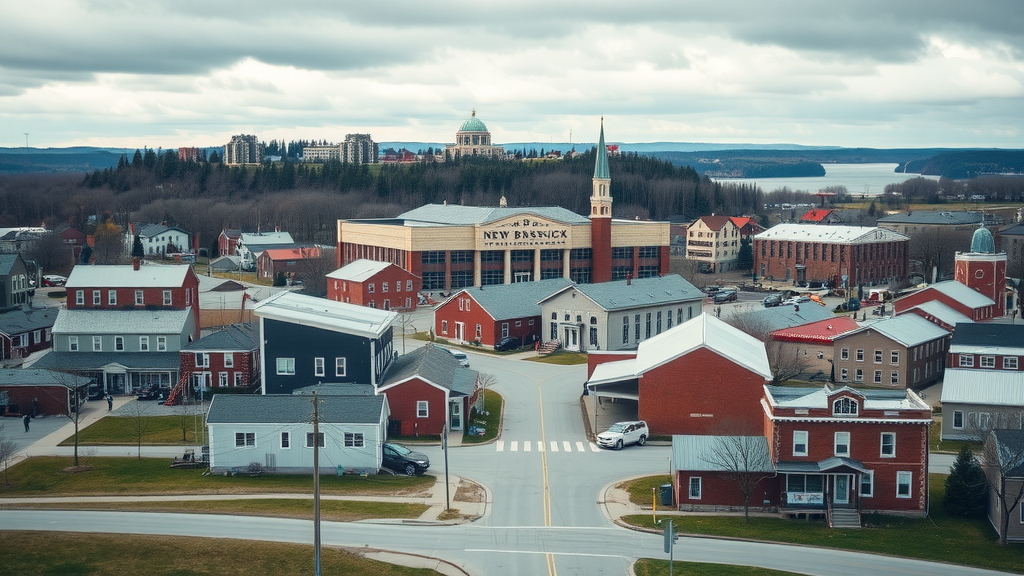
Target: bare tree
{"x": 784, "y": 359}
{"x": 138, "y": 422}
{"x": 741, "y": 459}
{"x": 690, "y": 270}
{"x": 1004, "y": 469}
{"x": 314, "y": 271}
{"x": 935, "y": 248}
{"x": 51, "y": 253}
{"x": 72, "y": 394}
{"x": 485, "y": 381}
{"x": 7, "y": 451}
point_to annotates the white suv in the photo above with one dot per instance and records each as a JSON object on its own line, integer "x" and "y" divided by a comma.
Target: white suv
{"x": 622, "y": 433}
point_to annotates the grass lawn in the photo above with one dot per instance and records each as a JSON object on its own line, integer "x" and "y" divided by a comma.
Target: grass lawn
{"x": 640, "y": 489}
{"x": 166, "y": 430}
{"x": 493, "y": 404}
{"x": 51, "y": 553}
{"x": 45, "y": 476}
{"x": 940, "y": 537}
{"x": 561, "y": 357}
{"x": 651, "y": 567}
{"x": 936, "y": 444}
{"x": 331, "y": 510}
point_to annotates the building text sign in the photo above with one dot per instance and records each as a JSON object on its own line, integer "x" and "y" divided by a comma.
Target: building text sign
{"x": 523, "y": 233}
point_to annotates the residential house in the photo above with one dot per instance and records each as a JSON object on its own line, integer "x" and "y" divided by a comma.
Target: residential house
{"x": 983, "y": 387}
{"x": 305, "y": 340}
{"x": 812, "y": 345}
{"x": 24, "y": 330}
{"x": 1011, "y": 242}
{"x": 747, "y": 225}
{"x": 160, "y": 239}
{"x": 1008, "y": 473}
{"x": 374, "y": 284}
{"x": 287, "y": 261}
{"x": 228, "y": 358}
{"x": 250, "y": 245}
{"x": 905, "y": 351}
{"x": 227, "y": 241}
{"x": 957, "y": 296}
{"x": 274, "y": 433}
{"x": 714, "y": 241}
{"x": 75, "y": 240}
{"x": 939, "y": 314}
{"x": 618, "y": 315}
{"x": 820, "y": 216}
{"x": 487, "y": 314}
{"x": 428, "y": 389}
{"x": 917, "y": 221}
{"x": 223, "y": 301}
{"x": 227, "y": 264}
{"x": 40, "y": 392}
{"x": 14, "y": 277}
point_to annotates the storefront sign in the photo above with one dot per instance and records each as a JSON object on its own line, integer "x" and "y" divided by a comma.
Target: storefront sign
{"x": 523, "y": 233}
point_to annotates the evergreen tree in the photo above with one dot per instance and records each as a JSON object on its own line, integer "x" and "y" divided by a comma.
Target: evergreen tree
{"x": 872, "y": 210}
{"x": 966, "y": 486}
{"x": 137, "y": 250}
{"x": 745, "y": 256}
{"x": 280, "y": 280}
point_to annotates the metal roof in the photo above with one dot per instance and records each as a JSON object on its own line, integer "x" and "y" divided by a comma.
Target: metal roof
{"x": 40, "y": 377}
{"x": 242, "y": 337}
{"x": 7, "y": 263}
{"x": 294, "y": 409}
{"x": 228, "y": 263}
{"x": 961, "y": 293}
{"x": 906, "y": 329}
{"x": 988, "y": 338}
{"x": 26, "y": 319}
{"x": 944, "y": 313}
{"x": 337, "y": 389}
{"x": 124, "y": 276}
{"x": 697, "y": 453}
{"x": 874, "y": 399}
{"x": 821, "y": 332}
{"x": 833, "y": 464}
{"x": 610, "y": 372}
{"x": 704, "y": 331}
{"x": 433, "y": 364}
{"x": 80, "y": 361}
{"x": 80, "y": 321}
{"x": 456, "y": 215}
{"x": 640, "y": 292}
{"x": 830, "y": 234}
{"x": 150, "y": 230}
{"x": 781, "y": 317}
{"x": 518, "y": 300}
{"x": 359, "y": 270}
{"x": 265, "y": 238}
{"x": 996, "y": 387}
{"x": 1010, "y": 445}
{"x": 933, "y": 218}
{"x": 326, "y": 314}
{"x": 601, "y": 163}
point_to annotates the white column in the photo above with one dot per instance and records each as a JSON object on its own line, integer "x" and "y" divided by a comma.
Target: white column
{"x": 565, "y": 262}
{"x": 536, "y": 264}
{"x": 476, "y": 268}
{"x": 508, "y": 266}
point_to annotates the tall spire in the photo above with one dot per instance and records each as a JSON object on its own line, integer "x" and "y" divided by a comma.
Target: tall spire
{"x": 601, "y": 166}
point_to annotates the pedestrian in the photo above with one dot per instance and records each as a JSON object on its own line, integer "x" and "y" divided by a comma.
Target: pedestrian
{"x": 27, "y": 419}
{"x": 110, "y": 402}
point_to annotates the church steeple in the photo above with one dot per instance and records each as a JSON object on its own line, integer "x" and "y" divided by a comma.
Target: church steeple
{"x": 601, "y": 199}
{"x": 601, "y": 166}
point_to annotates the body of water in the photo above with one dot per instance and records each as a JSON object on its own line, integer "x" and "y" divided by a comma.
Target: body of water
{"x": 867, "y": 179}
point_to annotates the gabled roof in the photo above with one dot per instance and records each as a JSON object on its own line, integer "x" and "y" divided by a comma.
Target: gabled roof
{"x": 26, "y": 319}
{"x": 830, "y": 234}
{"x": 704, "y": 331}
{"x": 961, "y": 293}
{"x": 227, "y": 263}
{"x": 265, "y": 238}
{"x": 456, "y": 215}
{"x": 82, "y": 361}
{"x": 715, "y": 222}
{"x": 79, "y": 321}
{"x": 907, "y": 329}
{"x": 279, "y": 254}
{"x": 625, "y": 294}
{"x": 336, "y": 389}
{"x": 988, "y": 338}
{"x": 944, "y": 313}
{"x": 1015, "y": 230}
{"x": 1010, "y": 446}
{"x": 697, "y": 453}
{"x": 782, "y": 317}
{"x": 241, "y": 337}
{"x": 261, "y": 248}
{"x": 518, "y": 300}
{"x": 40, "y": 377}
{"x": 815, "y": 215}
{"x": 821, "y": 332}
{"x": 359, "y": 270}
{"x": 434, "y": 365}
{"x": 294, "y": 409}
{"x": 326, "y": 314}
{"x": 741, "y": 221}
{"x": 996, "y": 387}
{"x": 124, "y": 276}
{"x": 7, "y": 262}
{"x": 932, "y": 218}
{"x": 874, "y": 399}
{"x": 150, "y": 230}
{"x": 232, "y": 232}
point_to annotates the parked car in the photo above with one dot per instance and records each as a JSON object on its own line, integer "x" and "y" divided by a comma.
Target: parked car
{"x": 460, "y": 356}
{"x": 772, "y": 300}
{"x": 723, "y": 296}
{"x": 54, "y": 280}
{"x": 510, "y": 343}
{"x": 709, "y": 290}
{"x": 398, "y": 458}
{"x": 795, "y": 300}
{"x": 151, "y": 392}
{"x": 622, "y": 433}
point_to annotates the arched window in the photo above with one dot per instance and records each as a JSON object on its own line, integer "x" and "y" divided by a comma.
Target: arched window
{"x": 844, "y": 407}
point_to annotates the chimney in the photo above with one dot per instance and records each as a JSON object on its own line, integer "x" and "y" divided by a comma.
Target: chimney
{"x": 629, "y": 279}
{"x": 135, "y": 263}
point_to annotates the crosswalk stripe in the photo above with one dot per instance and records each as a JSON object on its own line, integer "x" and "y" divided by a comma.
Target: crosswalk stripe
{"x": 566, "y": 445}
{"x": 514, "y": 447}
{"x": 554, "y": 446}
{"x": 580, "y": 448}
{"x": 540, "y": 446}
{"x": 500, "y": 444}
{"x": 527, "y": 445}
{"x": 594, "y": 447}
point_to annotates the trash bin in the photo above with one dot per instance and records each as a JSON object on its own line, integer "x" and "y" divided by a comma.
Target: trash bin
{"x": 666, "y": 494}
{"x": 341, "y": 470}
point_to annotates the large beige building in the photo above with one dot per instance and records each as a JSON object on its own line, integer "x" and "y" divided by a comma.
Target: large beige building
{"x": 473, "y": 139}
{"x": 714, "y": 240}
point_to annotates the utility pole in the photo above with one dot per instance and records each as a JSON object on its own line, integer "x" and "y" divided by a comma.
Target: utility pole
{"x": 26, "y": 139}
{"x": 316, "y": 482}
{"x": 444, "y": 445}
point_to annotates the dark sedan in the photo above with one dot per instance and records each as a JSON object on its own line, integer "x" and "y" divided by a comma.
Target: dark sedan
{"x": 510, "y": 343}
{"x": 400, "y": 459}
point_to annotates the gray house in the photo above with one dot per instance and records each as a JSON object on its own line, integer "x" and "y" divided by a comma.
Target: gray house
{"x": 1008, "y": 472}
{"x": 617, "y": 315}
{"x": 274, "y": 433}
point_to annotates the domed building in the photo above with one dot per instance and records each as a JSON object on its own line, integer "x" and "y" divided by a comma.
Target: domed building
{"x": 473, "y": 139}
{"x": 983, "y": 270}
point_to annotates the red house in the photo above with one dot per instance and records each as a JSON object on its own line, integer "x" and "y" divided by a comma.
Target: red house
{"x": 228, "y": 358}
{"x": 697, "y": 378}
{"x": 116, "y": 287}
{"x": 228, "y": 241}
{"x": 953, "y": 294}
{"x": 287, "y": 260}
{"x": 487, "y": 314}
{"x": 24, "y": 330}
{"x": 41, "y": 392}
{"x": 427, "y": 388}
{"x": 374, "y": 284}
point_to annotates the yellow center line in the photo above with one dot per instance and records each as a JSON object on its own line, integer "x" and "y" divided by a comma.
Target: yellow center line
{"x": 552, "y": 571}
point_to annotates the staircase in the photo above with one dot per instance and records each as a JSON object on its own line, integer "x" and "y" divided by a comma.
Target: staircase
{"x": 844, "y": 518}
{"x": 548, "y": 347}
{"x": 178, "y": 391}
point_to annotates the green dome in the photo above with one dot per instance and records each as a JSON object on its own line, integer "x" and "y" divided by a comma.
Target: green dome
{"x": 982, "y": 242}
{"x": 473, "y": 125}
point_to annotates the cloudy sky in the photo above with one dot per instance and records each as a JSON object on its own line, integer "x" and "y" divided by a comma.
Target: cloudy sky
{"x": 188, "y": 73}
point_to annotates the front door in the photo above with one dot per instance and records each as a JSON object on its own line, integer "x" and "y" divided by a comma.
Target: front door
{"x": 116, "y": 383}
{"x": 572, "y": 340}
{"x": 460, "y": 332}
{"x": 842, "y": 489}
{"x": 455, "y": 414}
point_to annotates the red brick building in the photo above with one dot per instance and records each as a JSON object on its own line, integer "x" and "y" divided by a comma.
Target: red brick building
{"x": 836, "y": 255}
{"x": 953, "y": 294}
{"x": 228, "y": 241}
{"x": 487, "y": 314}
{"x": 228, "y": 358}
{"x": 374, "y": 284}
{"x": 427, "y": 388}
{"x": 40, "y": 392}
{"x": 133, "y": 287}
{"x": 983, "y": 270}
{"x": 287, "y": 260}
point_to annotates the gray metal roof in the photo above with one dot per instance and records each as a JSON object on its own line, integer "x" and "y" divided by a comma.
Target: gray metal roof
{"x": 456, "y": 215}
{"x": 506, "y": 301}
{"x": 359, "y": 270}
{"x": 265, "y": 239}
{"x": 80, "y": 321}
{"x": 336, "y": 389}
{"x": 874, "y": 399}
{"x": 7, "y": 263}
{"x": 433, "y": 364}
{"x": 293, "y": 409}
{"x": 640, "y": 292}
{"x": 994, "y": 387}
{"x": 830, "y": 234}
{"x": 981, "y": 337}
{"x": 118, "y": 276}
{"x": 81, "y": 361}
{"x": 932, "y": 218}
{"x": 780, "y": 317}
{"x": 227, "y": 263}
{"x": 150, "y": 230}
{"x": 1010, "y": 445}
{"x": 40, "y": 377}
{"x": 242, "y": 337}
{"x": 1015, "y": 230}
{"x": 696, "y": 453}
{"x": 26, "y": 319}
{"x": 960, "y": 293}
{"x": 944, "y": 313}
{"x": 826, "y": 465}
{"x": 326, "y": 314}
{"x": 906, "y": 329}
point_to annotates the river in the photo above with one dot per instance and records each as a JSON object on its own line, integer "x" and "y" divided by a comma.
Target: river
{"x": 867, "y": 179}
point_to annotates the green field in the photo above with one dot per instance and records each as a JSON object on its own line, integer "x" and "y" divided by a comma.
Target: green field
{"x": 155, "y": 430}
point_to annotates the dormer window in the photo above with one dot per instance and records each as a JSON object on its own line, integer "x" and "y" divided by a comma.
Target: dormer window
{"x": 844, "y": 407}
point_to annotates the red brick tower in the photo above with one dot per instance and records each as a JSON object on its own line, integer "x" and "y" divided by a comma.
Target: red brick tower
{"x": 601, "y": 217}
{"x": 984, "y": 271}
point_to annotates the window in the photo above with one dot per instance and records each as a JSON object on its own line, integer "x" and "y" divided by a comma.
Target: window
{"x": 286, "y": 366}
{"x": 844, "y": 407}
{"x": 202, "y": 360}
{"x": 894, "y": 377}
{"x": 139, "y": 298}
{"x": 371, "y": 288}
{"x": 422, "y": 409}
{"x": 903, "y": 484}
{"x": 161, "y": 343}
{"x": 143, "y": 343}
{"x": 222, "y": 379}
{"x": 860, "y": 355}
{"x": 444, "y": 326}
{"x": 188, "y": 297}
{"x": 894, "y": 357}
{"x": 844, "y": 353}
{"x": 657, "y": 322}
{"x": 593, "y": 336}
{"x": 318, "y": 367}
{"x": 988, "y": 362}
{"x": 967, "y": 360}
{"x": 695, "y": 488}
{"x": 80, "y": 297}
{"x": 319, "y": 440}
{"x": 384, "y": 286}
{"x": 95, "y": 297}
{"x": 799, "y": 443}
{"x": 112, "y": 297}
{"x": 625, "y": 329}
{"x": 878, "y": 356}
{"x": 636, "y": 320}
{"x": 859, "y": 375}
{"x": 842, "y": 444}
{"x": 167, "y": 297}
{"x": 1010, "y": 363}
{"x": 238, "y": 379}
{"x": 73, "y": 343}
{"x": 245, "y": 439}
{"x": 647, "y": 326}
{"x": 353, "y": 439}
{"x": 97, "y": 344}
{"x": 479, "y": 331}
{"x": 229, "y": 360}
{"x": 844, "y": 374}
{"x": 286, "y": 440}
{"x": 408, "y": 285}
{"x": 958, "y": 419}
{"x": 867, "y": 483}
{"x": 504, "y": 329}
{"x": 339, "y": 366}
{"x": 888, "y": 444}
{"x": 119, "y": 343}
{"x": 878, "y": 376}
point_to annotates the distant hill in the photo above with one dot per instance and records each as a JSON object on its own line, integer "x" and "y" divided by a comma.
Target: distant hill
{"x": 75, "y": 159}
